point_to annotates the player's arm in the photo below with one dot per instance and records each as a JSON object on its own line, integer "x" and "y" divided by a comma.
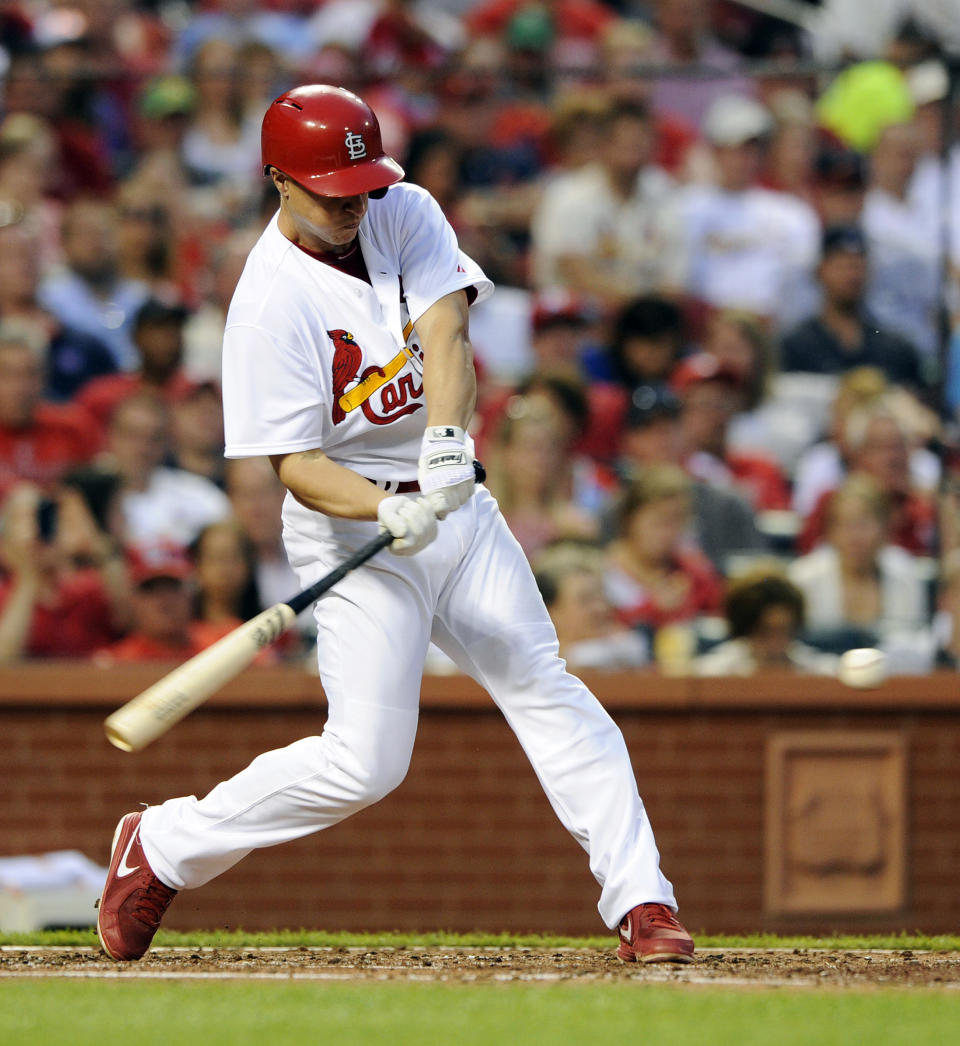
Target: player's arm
{"x": 445, "y": 470}
{"x": 324, "y": 486}
{"x": 449, "y": 380}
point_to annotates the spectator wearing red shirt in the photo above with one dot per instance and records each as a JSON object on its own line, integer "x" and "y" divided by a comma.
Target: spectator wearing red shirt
{"x": 162, "y": 629}
{"x": 877, "y": 445}
{"x": 159, "y": 504}
{"x": 711, "y": 393}
{"x": 655, "y": 575}
{"x": 158, "y": 337}
{"x": 51, "y": 607}
{"x": 39, "y": 441}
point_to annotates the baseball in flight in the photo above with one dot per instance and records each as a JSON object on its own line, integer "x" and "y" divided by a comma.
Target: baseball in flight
{"x": 864, "y": 668}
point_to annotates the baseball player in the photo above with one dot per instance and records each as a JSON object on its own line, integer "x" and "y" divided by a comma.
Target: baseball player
{"x": 346, "y": 360}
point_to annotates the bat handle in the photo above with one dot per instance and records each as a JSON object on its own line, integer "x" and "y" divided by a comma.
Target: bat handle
{"x": 309, "y": 595}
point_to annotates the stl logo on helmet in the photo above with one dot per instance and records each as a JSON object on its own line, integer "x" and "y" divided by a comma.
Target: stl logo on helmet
{"x": 356, "y": 146}
{"x": 353, "y": 387}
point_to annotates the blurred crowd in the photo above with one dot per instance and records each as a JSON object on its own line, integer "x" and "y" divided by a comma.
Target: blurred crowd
{"x": 719, "y": 382}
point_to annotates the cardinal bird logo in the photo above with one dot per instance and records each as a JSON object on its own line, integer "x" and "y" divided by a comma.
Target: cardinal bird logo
{"x": 353, "y": 388}
{"x": 347, "y": 358}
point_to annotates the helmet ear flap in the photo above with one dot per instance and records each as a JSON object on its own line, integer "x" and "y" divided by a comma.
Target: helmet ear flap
{"x": 378, "y": 194}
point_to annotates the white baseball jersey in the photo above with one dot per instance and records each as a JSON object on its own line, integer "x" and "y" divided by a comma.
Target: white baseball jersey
{"x": 313, "y": 357}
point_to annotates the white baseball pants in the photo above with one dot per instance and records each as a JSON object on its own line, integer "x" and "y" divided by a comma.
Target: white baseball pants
{"x": 472, "y": 592}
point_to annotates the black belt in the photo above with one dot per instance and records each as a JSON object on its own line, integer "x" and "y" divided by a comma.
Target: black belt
{"x": 393, "y": 486}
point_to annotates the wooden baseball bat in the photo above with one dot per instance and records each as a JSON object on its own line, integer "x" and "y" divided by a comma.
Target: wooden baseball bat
{"x": 148, "y": 715}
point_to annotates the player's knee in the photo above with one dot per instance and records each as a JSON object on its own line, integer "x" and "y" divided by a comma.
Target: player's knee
{"x": 375, "y": 763}
{"x": 387, "y": 776}
{"x": 374, "y": 777}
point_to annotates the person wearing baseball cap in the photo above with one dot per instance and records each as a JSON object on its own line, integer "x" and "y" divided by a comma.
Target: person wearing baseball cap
{"x": 161, "y": 608}
{"x": 844, "y": 335}
{"x": 711, "y": 392}
{"x": 558, "y": 325}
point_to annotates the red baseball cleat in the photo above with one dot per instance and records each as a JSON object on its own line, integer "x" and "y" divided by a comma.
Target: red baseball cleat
{"x": 133, "y": 899}
{"x": 652, "y": 933}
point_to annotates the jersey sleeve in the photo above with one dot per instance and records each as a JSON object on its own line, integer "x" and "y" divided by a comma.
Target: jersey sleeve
{"x": 431, "y": 262}
{"x": 273, "y": 394}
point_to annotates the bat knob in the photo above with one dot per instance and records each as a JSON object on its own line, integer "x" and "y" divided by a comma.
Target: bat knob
{"x": 479, "y": 472}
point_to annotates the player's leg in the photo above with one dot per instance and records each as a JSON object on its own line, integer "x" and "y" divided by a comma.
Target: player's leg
{"x": 372, "y": 635}
{"x": 373, "y": 631}
{"x": 493, "y": 623}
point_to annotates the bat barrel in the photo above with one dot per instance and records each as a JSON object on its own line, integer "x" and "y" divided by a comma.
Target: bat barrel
{"x": 151, "y": 713}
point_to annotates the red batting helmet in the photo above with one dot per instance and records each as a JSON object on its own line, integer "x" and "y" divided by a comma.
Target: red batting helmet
{"x": 327, "y": 140}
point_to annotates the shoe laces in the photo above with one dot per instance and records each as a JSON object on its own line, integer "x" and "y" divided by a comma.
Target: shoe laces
{"x": 153, "y": 902}
{"x": 659, "y": 916}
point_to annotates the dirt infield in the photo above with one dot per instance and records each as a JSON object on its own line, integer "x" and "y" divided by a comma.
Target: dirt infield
{"x": 733, "y": 966}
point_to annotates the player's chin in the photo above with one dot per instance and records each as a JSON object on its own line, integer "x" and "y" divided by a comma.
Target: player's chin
{"x": 343, "y": 236}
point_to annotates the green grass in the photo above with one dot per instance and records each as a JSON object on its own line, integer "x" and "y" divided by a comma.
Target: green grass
{"x": 60, "y": 1011}
{"x": 69, "y": 1013}
{"x": 321, "y": 939}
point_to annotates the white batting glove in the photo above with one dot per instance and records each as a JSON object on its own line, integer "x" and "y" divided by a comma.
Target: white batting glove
{"x": 413, "y": 523}
{"x": 445, "y": 470}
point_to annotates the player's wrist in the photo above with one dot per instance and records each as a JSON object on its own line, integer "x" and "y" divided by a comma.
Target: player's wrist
{"x": 379, "y": 497}
{"x": 443, "y": 434}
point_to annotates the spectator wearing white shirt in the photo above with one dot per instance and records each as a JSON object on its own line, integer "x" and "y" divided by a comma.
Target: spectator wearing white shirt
{"x": 935, "y": 183}
{"x": 855, "y": 579}
{"x": 765, "y": 615}
{"x": 158, "y": 504}
{"x": 595, "y": 229}
{"x": 822, "y": 467}
{"x": 849, "y": 28}
{"x": 734, "y": 244}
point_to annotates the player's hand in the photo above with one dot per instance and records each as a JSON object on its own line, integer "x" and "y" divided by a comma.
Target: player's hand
{"x": 445, "y": 471}
{"x": 412, "y": 522}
